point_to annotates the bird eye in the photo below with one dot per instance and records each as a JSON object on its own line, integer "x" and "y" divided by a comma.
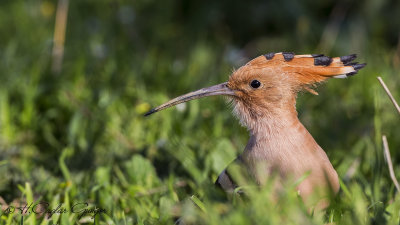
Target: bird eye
{"x": 255, "y": 84}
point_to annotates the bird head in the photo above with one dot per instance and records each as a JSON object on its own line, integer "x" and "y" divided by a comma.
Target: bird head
{"x": 268, "y": 85}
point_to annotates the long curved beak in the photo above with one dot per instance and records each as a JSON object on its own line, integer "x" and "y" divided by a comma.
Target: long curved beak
{"x": 219, "y": 89}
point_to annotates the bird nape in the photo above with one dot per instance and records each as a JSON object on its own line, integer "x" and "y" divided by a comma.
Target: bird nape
{"x": 264, "y": 95}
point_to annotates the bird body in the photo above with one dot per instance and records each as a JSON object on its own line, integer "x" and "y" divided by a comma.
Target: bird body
{"x": 287, "y": 148}
{"x": 264, "y": 94}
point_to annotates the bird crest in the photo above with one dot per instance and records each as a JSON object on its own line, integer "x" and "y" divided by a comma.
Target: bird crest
{"x": 304, "y": 71}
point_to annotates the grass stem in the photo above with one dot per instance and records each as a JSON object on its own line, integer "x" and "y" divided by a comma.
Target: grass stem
{"x": 389, "y": 162}
{"x": 389, "y": 94}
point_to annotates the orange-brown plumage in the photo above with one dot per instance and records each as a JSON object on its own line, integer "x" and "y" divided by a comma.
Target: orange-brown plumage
{"x": 302, "y": 68}
{"x": 264, "y": 95}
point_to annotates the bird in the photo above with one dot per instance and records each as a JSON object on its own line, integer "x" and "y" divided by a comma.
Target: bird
{"x": 263, "y": 93}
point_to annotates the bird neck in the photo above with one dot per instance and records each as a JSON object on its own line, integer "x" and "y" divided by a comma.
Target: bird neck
{"x": 281, "y": 134}
{"x": 275, "y": 129}
{"x": 274, "y": 125}
{"x": 267, "y": 117}
{"x": 280, "y": 143}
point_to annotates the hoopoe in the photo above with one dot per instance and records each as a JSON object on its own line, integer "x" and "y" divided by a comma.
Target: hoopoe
{"x": 264, "y": 94}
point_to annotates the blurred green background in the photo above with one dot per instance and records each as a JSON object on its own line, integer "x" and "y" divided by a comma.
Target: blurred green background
{"x": 71, "y": 108}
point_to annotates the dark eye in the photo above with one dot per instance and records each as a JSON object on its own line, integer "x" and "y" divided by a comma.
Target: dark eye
{"x": 255, "y": 84}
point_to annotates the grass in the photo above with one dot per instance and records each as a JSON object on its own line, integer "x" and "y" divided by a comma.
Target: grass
{"x": 79, "y": 136}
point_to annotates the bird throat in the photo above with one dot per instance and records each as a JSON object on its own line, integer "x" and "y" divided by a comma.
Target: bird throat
{"x": 265, "y": 117}
{"x": 277, "y": 139}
